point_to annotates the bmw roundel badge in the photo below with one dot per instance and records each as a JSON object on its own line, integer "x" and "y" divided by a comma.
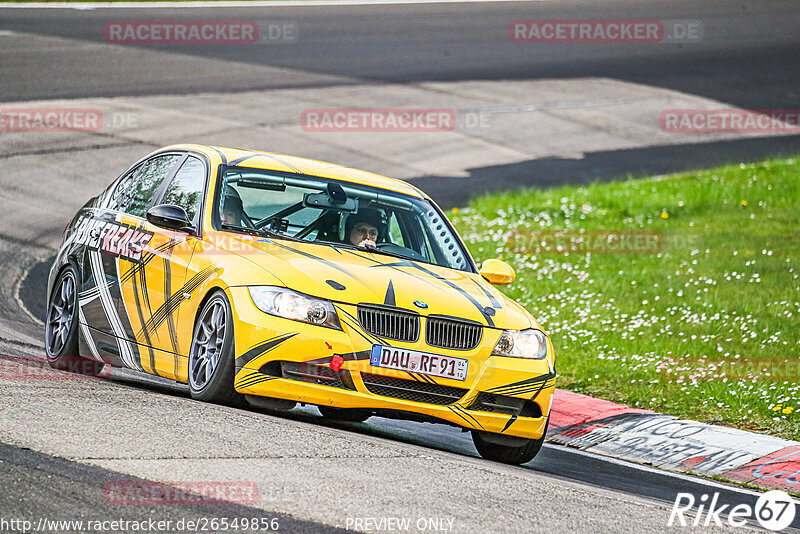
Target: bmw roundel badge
{"x": 420, "y": 304}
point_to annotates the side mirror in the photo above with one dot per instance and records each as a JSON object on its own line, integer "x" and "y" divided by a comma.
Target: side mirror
{"x": 169, "y": 216}
{"x": 497, "y": 272}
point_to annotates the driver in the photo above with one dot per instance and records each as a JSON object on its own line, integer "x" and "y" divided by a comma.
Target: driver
{"x": 363, "y": 228}
{"x": 232, "y": 211}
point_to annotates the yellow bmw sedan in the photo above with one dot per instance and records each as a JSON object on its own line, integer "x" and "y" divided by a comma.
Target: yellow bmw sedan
{"x": 268, "y": 279}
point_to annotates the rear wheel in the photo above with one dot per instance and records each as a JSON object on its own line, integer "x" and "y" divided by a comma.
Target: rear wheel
{"x": 343, "y": 414}
{"x": 507, "y": 449}
{"x": 211, "y": 362}
{"x": 61, "y": 329}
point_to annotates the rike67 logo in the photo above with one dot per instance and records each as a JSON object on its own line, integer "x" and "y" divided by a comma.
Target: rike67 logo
{"x": 774, "y": 510}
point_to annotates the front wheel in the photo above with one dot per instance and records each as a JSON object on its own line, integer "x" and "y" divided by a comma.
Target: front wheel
{"x": 507, "y": 449}
{"x": 61, "y": 329}
{"x": 211, "y": 362}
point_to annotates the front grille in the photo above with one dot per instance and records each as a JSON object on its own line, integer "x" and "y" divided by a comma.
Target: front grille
{"x": 489, "y": 402}
{"x": 315, "y": 374}
{"x": 412, "y": 390}
{"x": 451, "y": 334}
{"x": 393, "y": 324}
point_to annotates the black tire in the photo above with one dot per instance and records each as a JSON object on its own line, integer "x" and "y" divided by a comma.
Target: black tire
{"x": 214, "y": 385}
{"x": 61, "y": 328}
{"x": 344, "y": 414}
{"x": 516, "y": 454}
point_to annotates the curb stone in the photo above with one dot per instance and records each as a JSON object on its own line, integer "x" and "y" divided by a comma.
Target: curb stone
{"x": 666, "y": 442}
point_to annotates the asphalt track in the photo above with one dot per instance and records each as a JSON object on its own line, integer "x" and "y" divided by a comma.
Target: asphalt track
{"x": 63, "y": 440}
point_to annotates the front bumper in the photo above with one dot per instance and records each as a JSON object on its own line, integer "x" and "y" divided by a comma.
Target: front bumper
{"x": 290, "y": 360}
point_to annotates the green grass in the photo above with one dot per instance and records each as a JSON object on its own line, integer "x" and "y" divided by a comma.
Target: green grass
{"x": 626, "y": 327}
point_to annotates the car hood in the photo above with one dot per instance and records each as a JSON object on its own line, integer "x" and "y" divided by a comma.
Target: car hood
{"x": 353, "y": 276}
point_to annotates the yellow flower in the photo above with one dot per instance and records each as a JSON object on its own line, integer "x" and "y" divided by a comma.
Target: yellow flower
{"x": 744, "y": 203}
{"x": 788, "y": 410}
{"x": 777, "y": 408}
{"x": 455, "y": 210}
{"x": 664, "y": 215}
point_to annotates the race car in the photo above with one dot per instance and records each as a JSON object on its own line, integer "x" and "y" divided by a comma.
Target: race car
{"x": 271, "y": 280}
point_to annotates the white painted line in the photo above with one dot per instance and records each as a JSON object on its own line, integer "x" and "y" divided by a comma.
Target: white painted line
{"x": 7, "y": 33}
{"x": 229, "y": 4}
{"x": 640, "y": 467}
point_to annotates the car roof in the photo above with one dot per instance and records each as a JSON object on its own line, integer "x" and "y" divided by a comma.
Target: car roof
{"x": 280, "y": 162}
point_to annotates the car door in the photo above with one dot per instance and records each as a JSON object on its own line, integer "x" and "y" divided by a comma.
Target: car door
{"x": 159, "y": 292}
{"x": 122, "y": 247}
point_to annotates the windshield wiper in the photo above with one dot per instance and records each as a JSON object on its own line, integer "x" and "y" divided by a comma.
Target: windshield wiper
{"x": 376, "y": 250}
{"x": 258, "y": 232}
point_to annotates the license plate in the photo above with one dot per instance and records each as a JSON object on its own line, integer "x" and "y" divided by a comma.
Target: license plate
{"x": 419, "y": 362}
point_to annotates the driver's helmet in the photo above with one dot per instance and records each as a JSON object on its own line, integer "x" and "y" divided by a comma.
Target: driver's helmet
{"x": 368, "y": 215}
{"x": 232, "y": 203}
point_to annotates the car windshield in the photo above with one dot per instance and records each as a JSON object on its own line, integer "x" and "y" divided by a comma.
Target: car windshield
{"x": 346, "y": 214}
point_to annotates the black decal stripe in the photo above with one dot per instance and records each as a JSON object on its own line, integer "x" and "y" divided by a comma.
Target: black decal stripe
{"x": 355, "y": 325}
{"x": 140, "y": 314}
{"x": 540, "y": 390}
{"x": 329, "y": 263}
{"x": 221, "y": 155}
{"x": 531, "y": 385}
{"x": 262, "y": 348}
{"x": 147, "y": 257}
{"x": 245, "y": 378}
{"x": 523, "y": 391}
{"x": 252, "y": 380}
{"x": 469, "y": 423}
{"x": 427, "y": 378}
{"x": 145, "y": 291}
{"x": 260, "y": 380}
{"x": 175, "y": 300}
{"x": 173, "y": 334}
{"x": 462, "y": 410}
{"x": 492, "y": 300}
{"x": 509, "y": 422}
{"x": 522, "y": 383}
{"x": 389, "y": 299}
{"x": 466, "y": 403}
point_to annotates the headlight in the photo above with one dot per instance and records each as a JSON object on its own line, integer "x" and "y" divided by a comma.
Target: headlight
{"x": 289, "y": 304}
{"x": 528, "y": 343}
